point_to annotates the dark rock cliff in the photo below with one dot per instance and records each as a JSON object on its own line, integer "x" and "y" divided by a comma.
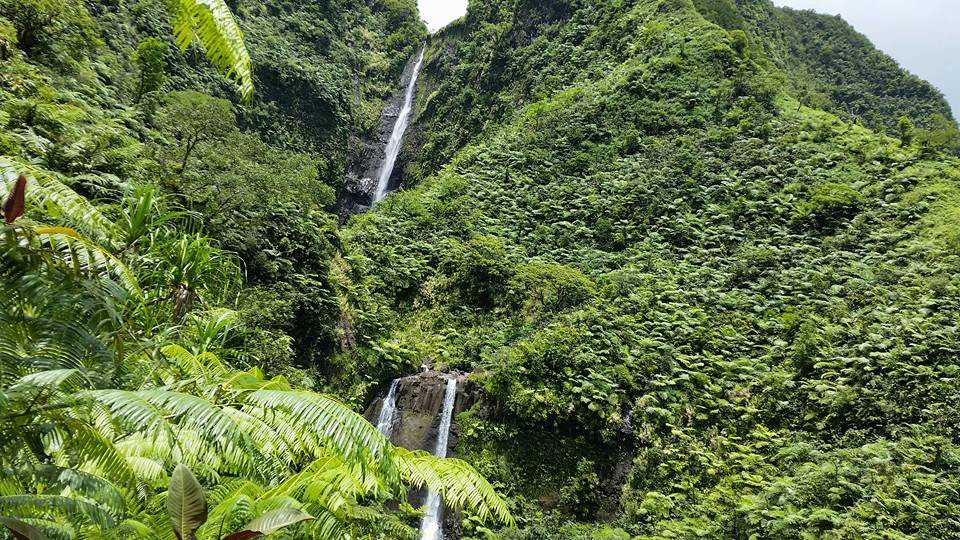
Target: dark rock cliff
{"x": 367, "y": 154}
{"x": 419, "y": 403}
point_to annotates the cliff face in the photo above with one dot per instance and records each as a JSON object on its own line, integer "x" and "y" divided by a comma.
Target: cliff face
{"x": 419, "y": 400}
{"x": 368, "y": 152}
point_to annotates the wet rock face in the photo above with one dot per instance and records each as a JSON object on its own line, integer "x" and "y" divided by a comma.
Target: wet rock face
{"x": 356, "y": 194}
{"x": 419, "y": 403}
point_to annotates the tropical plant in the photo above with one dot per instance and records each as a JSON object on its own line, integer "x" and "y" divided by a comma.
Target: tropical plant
{"x": 190, "y": 269}
{"x": 211, "y": 23}
{"x": 187, "y": 506}
{"x": 145, "y": 213}
{"x": 149, "y": 58}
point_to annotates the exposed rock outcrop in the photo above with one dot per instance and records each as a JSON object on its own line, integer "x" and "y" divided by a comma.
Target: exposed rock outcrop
{"x": 419, "y": 400}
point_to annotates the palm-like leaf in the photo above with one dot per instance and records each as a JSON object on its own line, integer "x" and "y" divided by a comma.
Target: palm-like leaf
{"x": 212, "y": 24}
{"x": 460, "y": 485}
{"x": 84, "y": 256}
{"x": 46, "y": 189}
{"x": 21, "y": 530}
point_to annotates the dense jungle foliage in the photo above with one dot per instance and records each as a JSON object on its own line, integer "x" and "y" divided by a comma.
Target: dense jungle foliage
{"x": 702, "y": 303}
{"x": 165, "y": 299}
{"x": 700, "y": 255}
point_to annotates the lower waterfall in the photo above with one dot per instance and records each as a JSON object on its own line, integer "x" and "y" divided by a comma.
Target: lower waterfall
{"x": 431, "y": 529}
{"x": 388, "y": 410}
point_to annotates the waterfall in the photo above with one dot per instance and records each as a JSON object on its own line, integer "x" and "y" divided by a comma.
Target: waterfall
{"x": 430, "y": 529}
{"x": 396, "y": 138}
{"x": 388, "y": 410}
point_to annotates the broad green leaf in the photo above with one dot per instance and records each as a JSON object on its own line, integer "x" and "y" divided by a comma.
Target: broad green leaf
{"x": 22, "y": 531}
{"x": 270, "y": 523}
{"x": 186, "y": 503}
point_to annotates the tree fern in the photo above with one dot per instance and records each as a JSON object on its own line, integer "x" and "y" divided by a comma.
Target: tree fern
{"x": 212, "y": 24}
{"x": 83, "y": 255}
{"x": 460, "y": 485}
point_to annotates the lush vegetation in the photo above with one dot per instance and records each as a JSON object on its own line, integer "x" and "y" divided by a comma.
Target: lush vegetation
{"x": 700, "y": 255}
{"x": 701, "y": 304}
{"x": 829, "y": 65}
{"x": 166, "y": 306}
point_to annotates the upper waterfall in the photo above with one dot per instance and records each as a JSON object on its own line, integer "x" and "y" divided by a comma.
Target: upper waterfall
{"x": 396, "y": 137}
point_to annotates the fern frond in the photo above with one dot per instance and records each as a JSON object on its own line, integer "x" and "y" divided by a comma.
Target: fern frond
{"x": 94, "y": 453}
{"x": 460, "y": 485}
{"x": 78, "y": 482}
{"x": 328, "y": 422}
{"x": 42, "y": 506}
{"x": 212, "y": 24}
{"x": 377, "y": 522}
{"x": 85, "y": 256}
{"x": 46, "y": 190}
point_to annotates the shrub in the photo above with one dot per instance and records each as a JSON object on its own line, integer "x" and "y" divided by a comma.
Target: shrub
{"x": 479, "y": 270}
{"x": 551, "y": 287}
{"x": 830, "y": 201}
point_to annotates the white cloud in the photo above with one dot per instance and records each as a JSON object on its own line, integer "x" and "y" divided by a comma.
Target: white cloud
{"x": 438, "y": 13}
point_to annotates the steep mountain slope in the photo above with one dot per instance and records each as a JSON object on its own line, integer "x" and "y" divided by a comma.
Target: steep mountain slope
{"x": 698, "y": 307}
{"x": 829, "y": 63}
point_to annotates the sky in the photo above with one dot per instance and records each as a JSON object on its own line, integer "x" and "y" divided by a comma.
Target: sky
{"x": 917, "y": 33}
{"x": 438, "y": 13}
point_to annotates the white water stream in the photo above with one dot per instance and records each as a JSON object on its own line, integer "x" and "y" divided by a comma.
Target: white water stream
{"x": 388, "y": 410}
{"x": 431, "y": 527}
{"x": 396, "y": 138}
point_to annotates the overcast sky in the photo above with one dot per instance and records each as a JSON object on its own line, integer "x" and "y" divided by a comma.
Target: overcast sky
{"x": 438, "y": 13}
{"x": 920, "y": 34}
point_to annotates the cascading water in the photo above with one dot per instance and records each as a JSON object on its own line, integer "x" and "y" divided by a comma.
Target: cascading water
{"x": 396, "y": 138}
{"x": 430, "y": 529}
{"x": 388, "y": 410}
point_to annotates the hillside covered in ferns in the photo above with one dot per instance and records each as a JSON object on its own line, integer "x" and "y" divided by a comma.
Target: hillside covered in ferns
{"x": 697, "y": 261}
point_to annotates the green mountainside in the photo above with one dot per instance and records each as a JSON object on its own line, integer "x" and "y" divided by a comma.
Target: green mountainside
{"x": 699, "y": 307}
{"x": 829, "y": 65}
{"x": 702, "y": 257}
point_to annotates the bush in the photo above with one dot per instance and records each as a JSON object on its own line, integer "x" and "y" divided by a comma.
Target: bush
{"x": 551, "y": 287}
{"x": 829, "y": 202}
{"x": 479, "y": 270}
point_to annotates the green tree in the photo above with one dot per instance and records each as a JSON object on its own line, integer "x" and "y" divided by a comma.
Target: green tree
{"x": 940, "y": 134}
{"x": 479, "y": 270}
{"x": 192, "y": 118}
{"x": 149, "y": 59}
{"x": 906, "y": 129}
